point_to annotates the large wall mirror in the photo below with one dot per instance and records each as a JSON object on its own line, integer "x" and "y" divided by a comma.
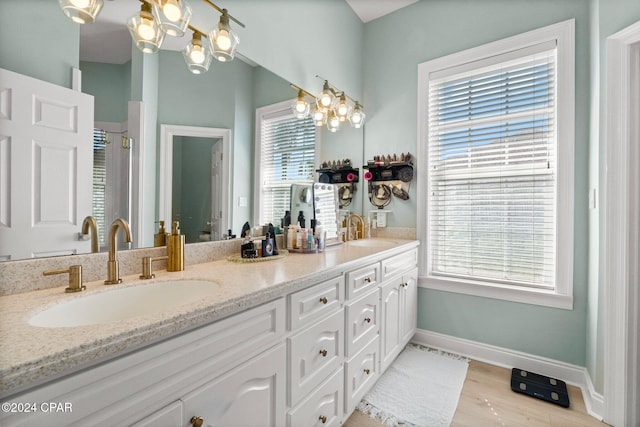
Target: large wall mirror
{"x": 212, "y": 111}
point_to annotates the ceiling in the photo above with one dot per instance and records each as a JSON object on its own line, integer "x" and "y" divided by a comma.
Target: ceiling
{"x": 108, "y": 40}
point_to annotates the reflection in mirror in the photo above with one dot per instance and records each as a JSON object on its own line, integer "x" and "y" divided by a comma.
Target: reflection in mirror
{"x": 301, "y": 204}
{"x": 194, "y": 180}
{"x": 196, "y": 192}
{"x": 325, "y": 200}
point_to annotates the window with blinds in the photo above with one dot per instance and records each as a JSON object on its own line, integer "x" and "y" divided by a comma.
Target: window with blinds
{"x": 492, "y": 170}
{"x": 99, "y": 181}
{"x": 287, "y": 156}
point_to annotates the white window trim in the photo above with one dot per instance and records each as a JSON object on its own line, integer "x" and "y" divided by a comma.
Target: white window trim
{"x": 562, "y": 297}
{"x": 261, "y": 113}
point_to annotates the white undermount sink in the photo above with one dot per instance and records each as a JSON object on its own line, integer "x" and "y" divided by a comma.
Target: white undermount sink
{"x": 124, "y": 303}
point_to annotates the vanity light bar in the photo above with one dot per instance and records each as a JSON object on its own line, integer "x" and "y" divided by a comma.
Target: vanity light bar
{"x": 213, "y": 5}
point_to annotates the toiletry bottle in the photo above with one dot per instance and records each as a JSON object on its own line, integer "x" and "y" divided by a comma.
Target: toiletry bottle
{"x": 267, "y": 245}
{"x": 160, "y": 238}
{"x": 309, "y": 239}
{"x": 291, "y": 235}
{"x": 301, "y": 219}
{"x": 298, "y": 243}
{"x": 175, "y": 249}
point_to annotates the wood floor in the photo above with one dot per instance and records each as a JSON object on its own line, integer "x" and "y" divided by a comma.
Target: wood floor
{"x": 487, "y": 401}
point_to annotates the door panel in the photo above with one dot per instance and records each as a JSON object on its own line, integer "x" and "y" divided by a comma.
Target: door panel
{"x": 46, "y": 167}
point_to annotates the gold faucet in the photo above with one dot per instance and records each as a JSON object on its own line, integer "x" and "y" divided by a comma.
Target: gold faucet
{"x": 350, "y": 219}
{"x": 113, "y": 275}
{"x": 89, "y": 223}
{"x": 75, "y": 277}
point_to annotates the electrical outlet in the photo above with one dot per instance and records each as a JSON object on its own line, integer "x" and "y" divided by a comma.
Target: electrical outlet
{"x": 381, "y": 218}
{"x": 242, "y": 202}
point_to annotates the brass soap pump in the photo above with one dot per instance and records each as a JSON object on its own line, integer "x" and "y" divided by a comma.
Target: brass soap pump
{"x": 160, "y": 238}
{"x": 175, "y": 249}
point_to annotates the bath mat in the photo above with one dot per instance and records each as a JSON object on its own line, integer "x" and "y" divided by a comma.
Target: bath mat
{"x": 421, "y": 388}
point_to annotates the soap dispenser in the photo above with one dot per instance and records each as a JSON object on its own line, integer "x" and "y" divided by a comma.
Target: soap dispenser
{"x": 160, "y": 238}
{"x": 175, "y": 249}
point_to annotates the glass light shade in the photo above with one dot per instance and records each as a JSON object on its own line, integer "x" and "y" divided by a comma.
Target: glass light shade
{"x": 357, "y": 116}
{"x": 342, "y": 109}
{"x": 224, "y": 41}
{"x": 319, "y": 115}
{"x": 333, "y": 122}
{"x": 300, "y": 106}
{"x": 326, "y": 97}
{"x": 173, "y": 16}
{"x": 197, "y": 55}
{"x": 81, "y": 11}
{"x": 145, "y": 32}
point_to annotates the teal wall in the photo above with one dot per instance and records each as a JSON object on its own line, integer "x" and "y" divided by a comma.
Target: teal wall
{"x": 46, "y": 50}
{"x": 430, "y": 29}
{"x": 110, "y": 84}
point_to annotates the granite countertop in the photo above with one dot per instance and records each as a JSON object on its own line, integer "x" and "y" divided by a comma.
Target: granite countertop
{"x": 32, "y": 355}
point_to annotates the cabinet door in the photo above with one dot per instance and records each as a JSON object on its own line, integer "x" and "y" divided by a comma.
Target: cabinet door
{"x": 392, "y": 331}
{"x": 252, "y": 395}
{"x": 409, "y": 293}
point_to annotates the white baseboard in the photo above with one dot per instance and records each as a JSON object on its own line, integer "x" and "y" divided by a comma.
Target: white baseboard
{"x": 504, "y": 357}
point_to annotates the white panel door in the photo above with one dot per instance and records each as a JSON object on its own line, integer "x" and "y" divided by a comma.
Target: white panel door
{"x": 46, "y": 167}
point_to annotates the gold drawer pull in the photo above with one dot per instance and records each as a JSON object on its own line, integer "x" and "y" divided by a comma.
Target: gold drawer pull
{"x": 367, "y": 279}
{"x": 197, "y": 421}
{"x": 324, "y": 300}
{"x": 367, "y": 319}
{"x": 366, "y": 371}
{"x": 323, "y": 353}
{"x": 323, "y": 419}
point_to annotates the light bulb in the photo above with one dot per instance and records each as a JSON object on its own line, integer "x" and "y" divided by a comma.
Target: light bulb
{"x": 356, "y": 117}
{"x": 197, "y": 54}
{"x": 301, "y": 106}
{"x": 146, "y": 30}
{"x": 80, "y": 3}
{"x": 223, "y": 41}
{"x": 318, "y": 115}
{"x": 325, "y": 100}
{"x": 172, "y": 11}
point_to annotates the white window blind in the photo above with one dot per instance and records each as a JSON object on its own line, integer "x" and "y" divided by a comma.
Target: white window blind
{"x": 492, "y": 170}
{"x": 287, "y": 157}
{"x": 99, "y": 181}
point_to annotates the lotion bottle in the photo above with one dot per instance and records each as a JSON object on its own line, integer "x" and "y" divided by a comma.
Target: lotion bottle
{"x": 175, "y": 249}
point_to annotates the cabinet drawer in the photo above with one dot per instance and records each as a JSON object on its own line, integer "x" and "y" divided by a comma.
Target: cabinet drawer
{"x": 399, "y": 263}
{"x": 363, "y": 321}
{"x": 314, "y": 354}
{"x": 361, "y": 280}
{"x": 253, "y": 394}
{"x": 361, "y": 373}
{"x": 169, "y": 416}
{"x": 315, "y": 303}
{"x": 324, "y": 408}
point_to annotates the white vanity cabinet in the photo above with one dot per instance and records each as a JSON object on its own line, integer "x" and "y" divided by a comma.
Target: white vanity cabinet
{"x": 303, "y": 359}
{"x": 399, "y": 314}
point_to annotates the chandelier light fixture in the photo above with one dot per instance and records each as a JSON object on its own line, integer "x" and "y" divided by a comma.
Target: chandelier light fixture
{"x": 159, "y": 18}
{"x": 330, "y": 107}
{"x": 81, "y": 11}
